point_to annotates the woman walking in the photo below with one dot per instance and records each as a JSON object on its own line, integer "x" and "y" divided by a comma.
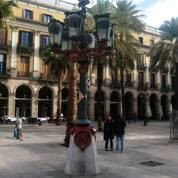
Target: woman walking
{"x": 109, "y": 133}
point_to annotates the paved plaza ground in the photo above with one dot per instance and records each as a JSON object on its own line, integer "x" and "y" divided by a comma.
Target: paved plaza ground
{"x": 41, "y": 155}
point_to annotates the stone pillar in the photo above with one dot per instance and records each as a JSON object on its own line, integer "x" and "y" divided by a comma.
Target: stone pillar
{"x": 135, "y": 107}
{"x": 54, "y": 109}
{"x": 147, "y": 76}
{"x": 135, "y": 76}
{"x": 107, "y": 106}
{"x": 91, "y": 107}
{"x": 158, "y": 79}
{"x": 14, "y": 52}
{"x": 148, "y": 108}
{"x": 36, "y": 63}
{"x": 11, "y": 105}
{"x": 108, "y": 74}
{"x": 159, "y": 109}
{"x": 34, "y": 104}
{"x": 169, "y": 76}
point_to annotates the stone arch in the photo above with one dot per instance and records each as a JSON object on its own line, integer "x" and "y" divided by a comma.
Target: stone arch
{"x": 164, "y": 107}
{"x": 65, "y": 100}
{"x": 4, "y": 94}
{"x": 23, "y": 97}
{"x": 141, "y": 106}
{"x": 154, "y": 106}
{"x": 45, "y": 98}
{"x": 24, "y": 84}
{"x": 128, "y": 105}
{"x": 114, "y": 103}
{"x": 103, "y": 100}
{"x": 173, "y": 101}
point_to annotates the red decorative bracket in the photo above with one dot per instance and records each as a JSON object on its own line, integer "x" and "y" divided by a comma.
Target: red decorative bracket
{"x": 83, "y": 136}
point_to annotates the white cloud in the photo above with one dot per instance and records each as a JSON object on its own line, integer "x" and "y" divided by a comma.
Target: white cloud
{"x": 160, "y": 11}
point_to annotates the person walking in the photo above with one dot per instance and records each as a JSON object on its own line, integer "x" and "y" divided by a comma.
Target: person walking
{"x": 109, "y": 133}
{"x": 19, "y": 128}
{"x": 119, "y": 130}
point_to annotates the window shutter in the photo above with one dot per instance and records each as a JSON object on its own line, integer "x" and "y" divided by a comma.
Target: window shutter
{"x": 20, "y": 37}
{"x": 31, "y": 39}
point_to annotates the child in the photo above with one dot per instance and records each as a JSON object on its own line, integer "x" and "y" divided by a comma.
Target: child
{"x": 108, "y": 133}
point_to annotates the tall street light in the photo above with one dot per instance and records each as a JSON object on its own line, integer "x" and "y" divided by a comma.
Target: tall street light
{"x": 71, "y": 39}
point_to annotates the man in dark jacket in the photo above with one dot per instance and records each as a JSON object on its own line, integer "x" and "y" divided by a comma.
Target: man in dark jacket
{"x": 119, "y": 129}
{"x": 108, "y": 133}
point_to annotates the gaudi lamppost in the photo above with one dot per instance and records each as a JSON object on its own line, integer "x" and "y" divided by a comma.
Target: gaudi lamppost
{"x": 71, "y": 39}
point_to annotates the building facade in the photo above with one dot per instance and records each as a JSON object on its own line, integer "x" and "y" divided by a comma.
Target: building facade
{"x": 26, "y": 82}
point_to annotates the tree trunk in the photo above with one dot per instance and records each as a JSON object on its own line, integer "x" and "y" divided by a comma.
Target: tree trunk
{"x": 59, "y": 95}
{"x": 176, "y": 88}
{"x": 99, "y": 94}
{"x": 73, "y": 105}
{"x": 122, "y": 92}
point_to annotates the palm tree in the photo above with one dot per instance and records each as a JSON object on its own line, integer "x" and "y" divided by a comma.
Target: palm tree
{"x": 58, "y": 65}
{"x": 6, "y": 11}
{"x": 166, "y": 50}
{"x": 127, "y": 20}
{"x": 101, "y": 7}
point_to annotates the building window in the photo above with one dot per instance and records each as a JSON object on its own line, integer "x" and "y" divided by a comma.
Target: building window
{"x": 140, "y": 39}
{"x": 46, "y": 71}
{"x": 152, "y": 42}
{"x": 3, "y": 36}
{"x": 163, "y": 81}
{"x": 24, "y": 66}
{"x": 173, "y": 82}
{"x": 2, "y": 63}
{"x": 46, "y": 18}
{"x": 141, "y": 79}
{"x": 28, "y": 14}
{"x": 26, "y": 39}
{"x": 44, "y": 41}
{"x": 142, "y": 58}
{"x": 128, "y": 78}
{"x": 152, "y": 80}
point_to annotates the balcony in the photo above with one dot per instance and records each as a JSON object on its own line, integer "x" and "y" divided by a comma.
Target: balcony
{"x": 165, "y": 70}
{"x": 23, "y": 74}
{"x": 153, "y": 86}
{"x": 143, "y": 86}
{"x": 42, "y": 51}
{"x": 166, "y": 89}
{"x": 46, "y": 78}
{"x": 141, "y": 66}
{"x": 115, "y": 85}
{"x": 27, "y": 50}
{"x": 129, "y": 84}
{"x": 4, "y": 45}
{"x": 4, "y": 75}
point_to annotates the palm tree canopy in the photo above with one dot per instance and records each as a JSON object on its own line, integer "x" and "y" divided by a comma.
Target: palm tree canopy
{"x": 101, "y": 7}
{"x": 57, "y": 61}
{"x": 127, "y": 19}
{"x": 166, "y": 50}
{"x": 6, "y": 10}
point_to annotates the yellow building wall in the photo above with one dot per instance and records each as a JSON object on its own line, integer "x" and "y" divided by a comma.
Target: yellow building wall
{"x": 37, "y": 11}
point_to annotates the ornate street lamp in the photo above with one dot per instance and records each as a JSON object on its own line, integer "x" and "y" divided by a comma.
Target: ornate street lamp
{"x": 55, "y": 29}
{"x": 71, "y": 39}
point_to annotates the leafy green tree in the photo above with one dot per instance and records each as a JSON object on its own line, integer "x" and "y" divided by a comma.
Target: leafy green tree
{"x": 6, "y": 10}
{"x": 165, "y": 51}
{"x": 58, "y": 64}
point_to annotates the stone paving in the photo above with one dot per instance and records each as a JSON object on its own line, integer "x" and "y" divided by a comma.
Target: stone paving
{"x": 41, "y": 154}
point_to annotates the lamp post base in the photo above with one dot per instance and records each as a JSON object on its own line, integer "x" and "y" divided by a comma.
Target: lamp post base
{"x": 82, "y": 153}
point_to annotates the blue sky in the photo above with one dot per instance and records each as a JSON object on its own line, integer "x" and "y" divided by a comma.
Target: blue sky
{"x": 155, "y": 11}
